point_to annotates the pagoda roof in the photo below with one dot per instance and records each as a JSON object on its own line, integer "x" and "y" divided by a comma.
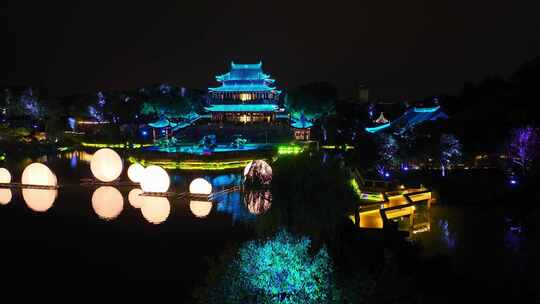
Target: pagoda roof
{"x": 244, "y": 78}
{"x": 243, "y": 108}
{"x": 244, "y": 88}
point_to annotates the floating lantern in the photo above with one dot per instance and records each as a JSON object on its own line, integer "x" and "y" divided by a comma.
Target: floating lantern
{"x": 155, "y": 179}
{"x": 39, "y": 200}
{"x": 5, "y": 196}
{"x": 135, "y": 199}
{"x": 200, "y": 186}
{"x": 107, "y": 202}
{"x": 106, "y": 165}
{"x": 200, "y": 209}
{"x": 5, "y": 176}
{"x": 135, "y": 172}
{"x": 38, "y": 174}
{"x": 155, "y": 210}
{"x": 258, "y": 172}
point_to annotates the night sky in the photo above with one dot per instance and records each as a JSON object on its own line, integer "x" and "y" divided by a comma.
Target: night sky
{"x": 402, "y": 49}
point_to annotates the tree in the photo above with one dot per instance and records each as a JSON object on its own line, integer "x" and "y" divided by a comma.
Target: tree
{"x": 387, "y": 150}
{"x": 523, "y": 147}
{"x": 310, "y": 102}
{"x": 276, "y": 270}
{"x": 451, "y": 151}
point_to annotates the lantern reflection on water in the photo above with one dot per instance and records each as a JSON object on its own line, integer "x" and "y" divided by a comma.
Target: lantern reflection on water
{"x": 106, "y": 165}
{"x": 155, "y": 210}
{"x": 258, "y": 202}
{"x": 107, "y": 202}
{"x": 5, "y": 196}
{"x": 200, "y": 209}
{"x": 39, "y": 200}
{"x": 134, "y": 197}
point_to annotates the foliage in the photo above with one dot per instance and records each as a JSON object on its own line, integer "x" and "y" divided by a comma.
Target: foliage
{"x": 451, "y": 150}
{"x": 523, "y": 147}
{"x": 276, "y": 270}
{"x": 311, "y": 101}
{"x": 387, "y": 150}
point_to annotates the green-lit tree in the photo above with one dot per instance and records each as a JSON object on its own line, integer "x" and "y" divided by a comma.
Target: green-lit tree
{"x": 276, "y": 270}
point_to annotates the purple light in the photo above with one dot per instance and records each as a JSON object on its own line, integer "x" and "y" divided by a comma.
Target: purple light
{"x": 144, "y": 133}
{"x": 386, "y": 174}
{"x": 513, "y": 182}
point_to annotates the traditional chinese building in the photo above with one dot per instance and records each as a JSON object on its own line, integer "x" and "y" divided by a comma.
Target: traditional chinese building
{"x": 246, "y": 95}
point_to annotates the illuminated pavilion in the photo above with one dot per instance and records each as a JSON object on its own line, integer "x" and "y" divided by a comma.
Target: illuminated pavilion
{"x": 246, "y": 95}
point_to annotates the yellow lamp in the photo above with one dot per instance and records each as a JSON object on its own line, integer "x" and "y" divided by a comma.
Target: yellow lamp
{"x": 107, "y": 202}
{"x": 200, "y": 208}
{"x": 155, "y": 179}
{"x": 5, "y": 196}
{"x": 135, "y": 172}
{"x": 155, "y": 210}
{"x": 5, "y": 176}
{"x": 38, "y": 174}
{"x": 135, "y": 199}
{"x": 39, "y": 200}
{"x": 200, "y": 186}
{"x": 106, "y": 165}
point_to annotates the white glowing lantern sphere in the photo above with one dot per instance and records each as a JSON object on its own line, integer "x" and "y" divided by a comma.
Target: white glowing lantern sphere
{"x": 107, "y": 202}
{"x": 200, "y": 186}
{"x": 39, "y": 200}
{"x": 155, "y": 210}
{"x": 155, "y": 179}
{"x": 5, "y": 196}
{"x": 200, "y": 208}
{"x": 106, "y": 165}
{"x": 135, "y": 199}
{"x": 135, "y": 172}
{"x": 5, "y": 176}
{"x": 38, "y": 174}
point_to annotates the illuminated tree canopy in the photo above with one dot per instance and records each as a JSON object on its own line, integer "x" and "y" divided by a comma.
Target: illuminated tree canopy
{"x": 311, "y": 101}
{"x": 277, "y": 270}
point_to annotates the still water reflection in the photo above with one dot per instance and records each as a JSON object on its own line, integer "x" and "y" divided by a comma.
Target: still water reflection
{"x": 107, "y": 202}
{"x": 5, "y": 196}
{"x": 39, "y": 200}
{"x": 155, "y": 210}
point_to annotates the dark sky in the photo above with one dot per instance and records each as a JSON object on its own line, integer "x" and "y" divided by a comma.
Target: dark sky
{"x": 402, "y": 49}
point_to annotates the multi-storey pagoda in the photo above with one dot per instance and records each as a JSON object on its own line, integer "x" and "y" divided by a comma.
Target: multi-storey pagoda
{"x": 246, "y": 95}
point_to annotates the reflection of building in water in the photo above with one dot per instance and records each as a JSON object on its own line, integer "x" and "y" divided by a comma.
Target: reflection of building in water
{"x": 107, "y": 202}
{"x": 231, "y": 203}
{"x": 258, "y": 202}
{"x": 446, "y": 235}
{"x": 155, "y": 210}
{"x": 39, "y": 200}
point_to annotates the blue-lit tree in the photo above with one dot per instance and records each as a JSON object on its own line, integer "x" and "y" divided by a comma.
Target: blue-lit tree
{"x": 451, "y": 151}
{"x": 276, "y": 270}
{"x": 523, "y": 147}
{"x": 387, "y": 150}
